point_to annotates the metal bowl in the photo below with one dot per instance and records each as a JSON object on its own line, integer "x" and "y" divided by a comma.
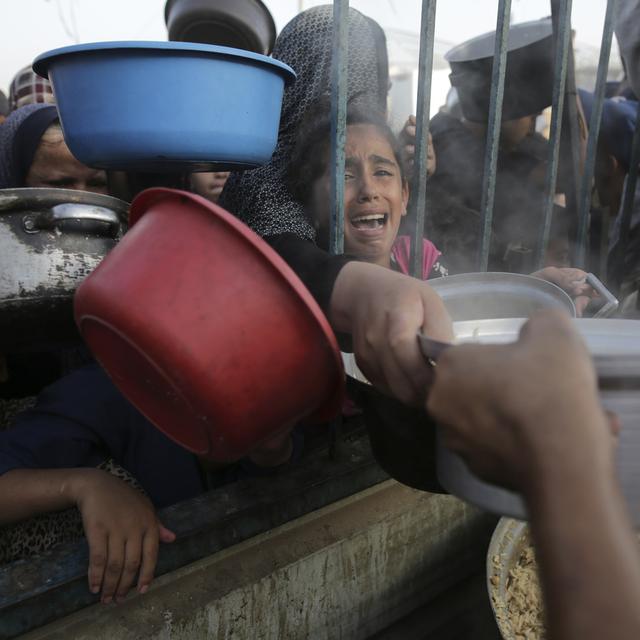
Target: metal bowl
{"x": 615, "y": 347}
{"x": 507, "y": 542}
{"x": 242, "y": 24}
{"x": 478, "y": 296}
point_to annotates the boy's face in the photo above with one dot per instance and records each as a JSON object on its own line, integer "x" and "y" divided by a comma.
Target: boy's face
{"x": 375, "y": 195}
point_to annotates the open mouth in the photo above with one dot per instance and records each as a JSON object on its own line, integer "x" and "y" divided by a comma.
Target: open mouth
{"x": 370, "y": 221}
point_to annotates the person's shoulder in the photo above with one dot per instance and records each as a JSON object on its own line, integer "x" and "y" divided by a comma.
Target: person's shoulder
{"x": 89, "y": 375}
{"x": 80, "y": 392}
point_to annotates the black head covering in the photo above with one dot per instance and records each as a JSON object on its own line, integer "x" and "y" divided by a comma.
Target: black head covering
{"x": 20, "y": 136}
{"x": 528, "y": 81}
{"x": 4, "y": 104}
{"x": 260, "y": 197}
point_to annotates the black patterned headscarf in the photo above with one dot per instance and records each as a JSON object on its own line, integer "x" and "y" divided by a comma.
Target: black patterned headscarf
{"x": 20, "y": 136}
{"x": 260, "y": 197}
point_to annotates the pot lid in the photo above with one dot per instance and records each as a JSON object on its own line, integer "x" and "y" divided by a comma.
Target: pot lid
{"x": 614, "y": 344}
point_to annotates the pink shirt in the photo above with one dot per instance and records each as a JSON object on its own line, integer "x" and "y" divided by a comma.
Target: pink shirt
{"x": 401, "y": 250}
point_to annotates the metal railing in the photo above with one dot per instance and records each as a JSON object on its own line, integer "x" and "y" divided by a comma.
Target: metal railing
{"x": 564, "y": 109}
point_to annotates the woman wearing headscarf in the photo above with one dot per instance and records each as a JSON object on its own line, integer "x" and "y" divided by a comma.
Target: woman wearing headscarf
{"x": 33, "y": 153}
{"x": 382, "y": 310}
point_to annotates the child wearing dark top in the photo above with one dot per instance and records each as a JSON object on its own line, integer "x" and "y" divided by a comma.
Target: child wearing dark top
{"x": 48, "y": 461}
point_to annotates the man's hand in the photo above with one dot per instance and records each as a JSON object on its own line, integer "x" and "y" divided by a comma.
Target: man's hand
{"x": 515, "y": 411}
{"x": 383, "y": 311}
{"x": 122, "y": 530}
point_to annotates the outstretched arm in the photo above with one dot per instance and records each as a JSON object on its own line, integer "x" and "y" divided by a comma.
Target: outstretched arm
{"x": 120, "y": 523}
{"x": 383, "y": 311}
{"x": 528, "y": 416}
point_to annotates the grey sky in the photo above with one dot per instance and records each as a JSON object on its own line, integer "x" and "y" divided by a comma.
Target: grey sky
{"x": 29, "y": 27}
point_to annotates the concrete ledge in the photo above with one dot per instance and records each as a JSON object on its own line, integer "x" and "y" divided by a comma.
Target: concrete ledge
{"x": 345, "y": 571}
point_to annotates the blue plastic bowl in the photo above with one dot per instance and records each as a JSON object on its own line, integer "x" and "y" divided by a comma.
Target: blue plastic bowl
{"x": 165, "y": 106}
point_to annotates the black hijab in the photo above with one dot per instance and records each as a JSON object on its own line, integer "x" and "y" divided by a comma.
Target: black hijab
{"x": 260, "y": 197}
{"x": 20, "y": 136}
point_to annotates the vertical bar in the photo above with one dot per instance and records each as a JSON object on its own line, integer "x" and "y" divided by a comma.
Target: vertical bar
{"x": 493, "y": 130}
{"x": 338, "y": 122}
{"x": 604, "y": 243}
{"x": 339, "y": 80}
{"x": 594, "y": 130}
{"x": 425, "y": 68}
{"x": 562, "y": 40}
{"x": 571, "y": 135}
{"x": 627, "y": 204}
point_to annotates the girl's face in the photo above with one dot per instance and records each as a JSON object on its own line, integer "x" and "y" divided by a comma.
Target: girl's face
{"x": 375, "y": 196}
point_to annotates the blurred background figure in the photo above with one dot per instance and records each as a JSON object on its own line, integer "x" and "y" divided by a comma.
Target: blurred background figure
{"x": 4, "y": 107}
{"x": 29, "y": 88}
{"x": 459, "y": 142}
{"x": 209, "y": 184}
{"x": 628, "y": 35}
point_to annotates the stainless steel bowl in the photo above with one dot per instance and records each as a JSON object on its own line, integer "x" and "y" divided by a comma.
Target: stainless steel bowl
{"x": 476, "y": 296}
{"x": 615, "y": 347}
{"x": 507, "y": 542}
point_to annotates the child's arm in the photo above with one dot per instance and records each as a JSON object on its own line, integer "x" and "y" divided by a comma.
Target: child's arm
{"x": 120, "y": 523}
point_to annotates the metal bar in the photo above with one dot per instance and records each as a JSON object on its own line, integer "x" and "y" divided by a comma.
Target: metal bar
{"x": 605, "y": 226}
{"x": 570, "y": 138}
{"x": 493, "y": 130}
{"x": 627, "y": 204}
{"x": 594, "y": 130}
{"x": 338, "y": 122}
{"x": 562, "y": 40}
{"x": 425, "y": 69}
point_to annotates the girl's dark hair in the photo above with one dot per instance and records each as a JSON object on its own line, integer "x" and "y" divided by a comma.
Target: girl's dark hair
{"x": 310, "y": 153}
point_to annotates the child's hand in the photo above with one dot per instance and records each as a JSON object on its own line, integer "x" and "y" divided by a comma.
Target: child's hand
{"x": 123, "y": 533}
{"x": 407, "y": 139}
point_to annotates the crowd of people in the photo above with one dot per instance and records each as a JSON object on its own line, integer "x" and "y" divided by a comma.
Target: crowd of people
{"x": 516, "y": 413}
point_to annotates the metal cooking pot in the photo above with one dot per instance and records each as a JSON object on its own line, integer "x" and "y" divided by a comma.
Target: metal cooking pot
{"x": 403, "y": 439}
{"x": 507, "y": 543}
{"x": 50, "y": 239}
{"x": 615, "y": 347}
{"x": 242, "y": 24}
{"x": 476, "y": 296}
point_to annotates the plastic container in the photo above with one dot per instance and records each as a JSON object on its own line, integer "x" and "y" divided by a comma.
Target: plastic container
{"x": 166, "y": 106}
{"x": 206, "y": 330}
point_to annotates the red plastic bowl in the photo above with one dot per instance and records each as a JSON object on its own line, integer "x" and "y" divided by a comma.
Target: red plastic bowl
{"x": 206, "y": 330}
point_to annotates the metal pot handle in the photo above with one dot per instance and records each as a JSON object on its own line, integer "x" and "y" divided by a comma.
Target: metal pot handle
{"x": 431, "y": 349}
{"x": 611, "y": 302}
{"x": 47, "y": 220}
